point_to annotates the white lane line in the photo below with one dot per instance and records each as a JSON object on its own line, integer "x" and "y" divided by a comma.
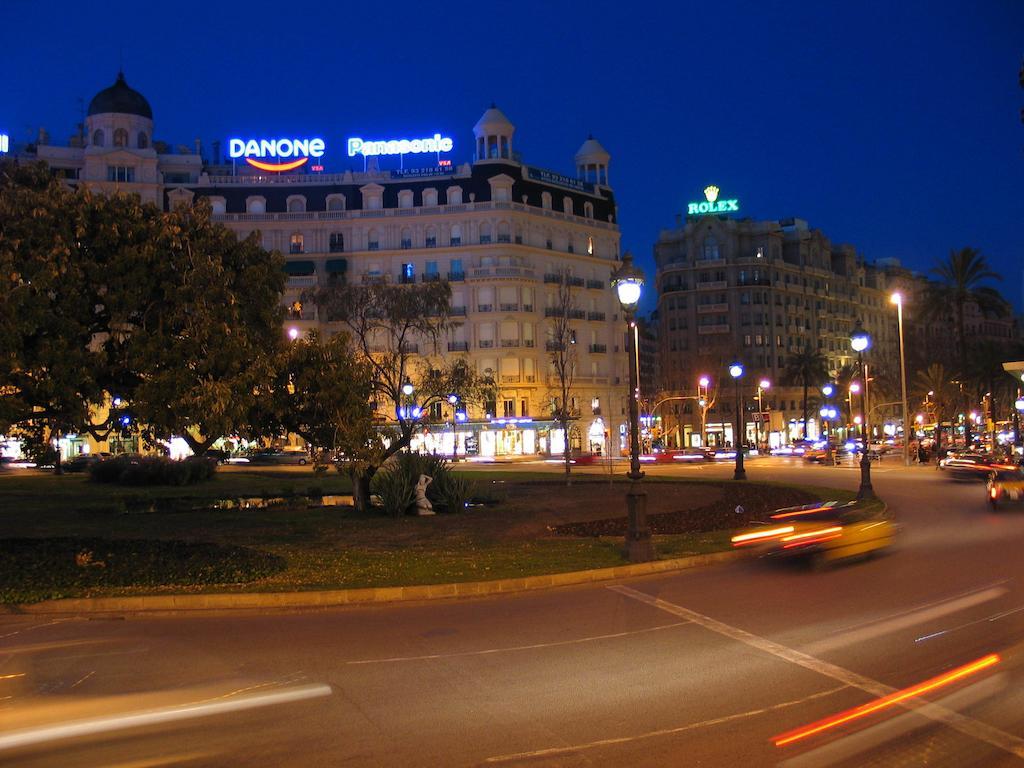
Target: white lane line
{"x": 34, "y": 626}
{"x": 994, "y": 617}
{"x": 662, "y": 732}
{"x": 966, "y": 725}
{"x": 489, "y": 651}
{"x": 82, "y": 680}
{"x": 909, "y": 619}
{"x": 95, "y": 725}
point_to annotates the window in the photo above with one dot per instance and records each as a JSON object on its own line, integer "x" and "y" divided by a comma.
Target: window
{"x": 97, "y": 138}
{"x": 454, "y": 195}
{"x": 509, "y": 408}
{"x": 430, "y": 196}
{"x": 296, "y": 243}
{"x": 504, "y": 235}
{"x": 295, "y": 310}
{"x": 545, "y": 200}
{"x": 256, "y": 204}
{"x": 710, "y": 252}
{"x": 588, "y": 209}
{"x": 408, "y": 273}
{"x": 431, "y": 239}
{"x": 485, "y": 233}
{"x": 455, "y": 269}
{"x": 406, "y": 238}
{"x": 456, "y": 237}
{"x": 567, "y": 205}
{"x": 373, "y": 240}
{"x": 590, "y": 246}
{"x": 336, "y": 203}
{"x": 524, "y": 407}
{"x": 337, "y": 242}
{"x": 124, "y": 173}
{"x": 405, "y": 198}
{"x": 296, "y": 204}
{"x": 120, "y": 137}
{"x": 431, "y": 268}
{"x": 143, "y": 140}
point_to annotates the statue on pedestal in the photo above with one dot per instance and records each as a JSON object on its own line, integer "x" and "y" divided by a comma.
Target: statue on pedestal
{"x": 423, "y": 505}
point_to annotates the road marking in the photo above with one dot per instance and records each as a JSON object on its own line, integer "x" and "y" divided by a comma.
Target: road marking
{"x": 82, "y": 680}
{"x": 513, "y": 648}
{"x": 662, "y": 732}
{"x": 994, "y": 617}
{"x": 189, "y": 711}
{"x": 34, "y": 626}
{"x": 909, "y": 619}
{"x": 966, "y": 725}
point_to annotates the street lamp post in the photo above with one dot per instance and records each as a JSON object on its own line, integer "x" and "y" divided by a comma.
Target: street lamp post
{"x": 897, "y": 299}
{"x": 762, "y": 385}
{"x": 628, "y": 281}
{"x": 702, "y": 400}
{"x": 860, "y": 341}
{"x": 827, "y": 391}
{"x": 1018, "y": 406}
{"x": 736, "y": 371}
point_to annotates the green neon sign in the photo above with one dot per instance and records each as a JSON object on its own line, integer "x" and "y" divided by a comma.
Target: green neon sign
{"x": 712, "y": 204}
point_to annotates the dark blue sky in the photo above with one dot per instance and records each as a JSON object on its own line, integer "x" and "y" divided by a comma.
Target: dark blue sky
{"x": 892, "y": 126}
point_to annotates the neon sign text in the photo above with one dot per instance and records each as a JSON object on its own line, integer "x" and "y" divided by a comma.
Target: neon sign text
{"x": 437, "y": 143}
{"x": 300, "y": 149}
{"x": 712, "y": 204}
{"x": 5, "y": 142}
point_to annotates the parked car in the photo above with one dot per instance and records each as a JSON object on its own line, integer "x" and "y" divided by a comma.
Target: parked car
{"x": 278, "y": 456}
{"x": 83, "y": 461}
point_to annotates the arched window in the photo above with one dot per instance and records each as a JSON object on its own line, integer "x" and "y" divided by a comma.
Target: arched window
{"x": 590, "y": 245}
{"x": 567, "y": 205}
{"x": 256, "y": 204}
{"x": 710, "y": 248}
{"x": 405, "y": 198}
{"x": 296, "y": 204}
{"x": 406, "y": 236}
{"x": 143, "y": 140}
{"x": 545, "y": 200}
{"x": 454, "y": 195}
{"x": 296, "y": 243}
{"x": 588, "y": 209}
{"x": 120, "y": 137}
{"x": 373, "y": 240}
{"x": 429, "y": 197}
{"x": 219, "y": 205}
{"x": 504, "y": 235}
{"x": 431, "y": 239}
{"x": 336, "y": 203}
{"x": 97, "y": 138}
{"x": 337, "y": 242}
{"x": 485, "y": 233}
{"x": 456, "y": 238}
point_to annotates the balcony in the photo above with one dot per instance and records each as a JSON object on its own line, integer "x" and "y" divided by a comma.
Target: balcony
{"x": 598, "y": 349}
{"x": 577, "y": 314}
{"x": 503, "y": 271}
{"x": 576, "y": 282}
{"x": 596, "y": 284}
{"x": 458, "y": 346}
{"x": 456, "y": 277}
{"x": 485, "y": 343}
{"x": 552, "y": 346}
{"x": 707, "y": 308}
{"x": 674, "y": 288}
{"x": 508, "y": 307}
{"x": 509, "y": 379}
{"x": 484, "y": 307}
{"x": 595, "y": 316}
{"x": 375, "y": 279}
{"x": 430, "y": 277}
{"x": 712, "y": 285}
{"x": 552, "y": 278}
{"x": 457, "y": 311}
{"x": 527, "y": 307}
{"x": 704, "y": 330}
{"x": 528, "y": 343}
{"x": 301, "y": 281}
{"x": 507, "y": 343}
{"x": 409, "y": 348}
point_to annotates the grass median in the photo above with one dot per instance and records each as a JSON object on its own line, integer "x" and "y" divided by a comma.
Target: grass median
{"x": 296, "y": 544}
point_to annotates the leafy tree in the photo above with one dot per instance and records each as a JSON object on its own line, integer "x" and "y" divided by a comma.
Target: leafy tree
{"x": 204, "y": 339}
{"x": 562, "y": 352}
{"x": 807, "y": 368}
{"x": 395, "y": 331}
{"x": 934, "y": 386}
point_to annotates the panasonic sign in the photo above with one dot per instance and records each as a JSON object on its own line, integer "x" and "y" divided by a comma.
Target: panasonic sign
{"x": 5, "y": 143}
{"x": 291, "y": 152}
{"x": 436, "y": 143}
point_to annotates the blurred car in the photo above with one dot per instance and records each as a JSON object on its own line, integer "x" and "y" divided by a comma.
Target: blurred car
{"x": 688, "y": 455}
{"x": 968, "y": 466}
{"x": 278, "y": 456}
{"x": 824, "y": 533}
{"x": 83, "y": 461}
{"x": 1005, "y": 485}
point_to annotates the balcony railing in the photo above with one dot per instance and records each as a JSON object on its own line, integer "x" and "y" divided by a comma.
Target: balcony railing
{"x": 552, "y": 346}
{"x": 578, "y": 282}
{"x": 375, "y": 279}
{"x": 486, "y": 343}
{"x": 527, "y": 307}
{"x": 506, "y": 379}
{"x": 510, "y": 343}
{"x": 595, "y": 316}
{"x": 704, "y": 330}
{"x": 597, "y": 284}
{"x": 457, "y": 311}
{"x": 508, "y": 307}
{"x": 430, "y": 277}
{"x": 552, "y": 278}
{"x": 458, "y": 346}
{"x": 503, "y": 271}
{"x": 598, "y": 349}
{"x": 712, "y": 285}
{"x": 528, "y": 342}
{"x": 410, "y": 348}
{"x": 705, "y": 308}
{"x": 456, "y": 277}
{"x": 484, "y": 307}
{"x": 577, "y": 314}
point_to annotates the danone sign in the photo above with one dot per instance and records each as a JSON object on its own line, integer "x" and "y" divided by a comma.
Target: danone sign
{"x": 275, "y": 154}
{"x": 712, "y": 204}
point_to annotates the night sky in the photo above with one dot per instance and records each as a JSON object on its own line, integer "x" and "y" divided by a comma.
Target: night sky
{"x": 892, "y": 126}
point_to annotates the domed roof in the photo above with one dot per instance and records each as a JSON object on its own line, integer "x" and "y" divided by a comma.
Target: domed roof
{"x": 591, "y": 150}
{"x": 120, "y": 98}
{"x": 493, "y": 122}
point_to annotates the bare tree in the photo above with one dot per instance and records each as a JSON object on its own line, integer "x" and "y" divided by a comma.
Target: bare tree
{"x": 561, "y": 347}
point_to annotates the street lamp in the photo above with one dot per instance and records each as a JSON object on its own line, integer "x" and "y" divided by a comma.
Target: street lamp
{"x": 860, "y": 341}
{"x": 407, "y": 388}
{"x": 293, "y": 333}
{"x": 854, "y": 389}
{"x": 702, "y": 399}
{"x": 762, "y": 385}
{"x": 897, "y": 299}
{"x": 736, "y": 371}
{"x": 628, "y": 282}
{"x": 828, "y": 413}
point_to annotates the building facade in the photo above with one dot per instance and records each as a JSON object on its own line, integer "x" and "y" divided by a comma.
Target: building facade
{"x": 504, "y": 234}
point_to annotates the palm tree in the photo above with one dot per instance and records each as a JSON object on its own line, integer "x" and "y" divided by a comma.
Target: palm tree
{"x": 935, "y": 385}
{"x": 960, "y": 279}
{"x": 807, "y": 368}
{"x": 845, "y": 376}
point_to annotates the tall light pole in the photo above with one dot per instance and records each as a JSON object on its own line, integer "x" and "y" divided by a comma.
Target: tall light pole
{"x": 897, "y": 299}
{"x": 628, "y": 282}
{"x": 736, "y": 371}
{"x": 827, "y": 391}
{"x": 860, "y": 341}
{"x": 702, "y": 399}
{"x": 762, "y": 385}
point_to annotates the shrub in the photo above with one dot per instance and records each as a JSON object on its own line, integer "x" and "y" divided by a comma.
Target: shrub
{"x": 395, "y": 488}
{"x": 447, "y": 491}
{"x": 152, "y": 470}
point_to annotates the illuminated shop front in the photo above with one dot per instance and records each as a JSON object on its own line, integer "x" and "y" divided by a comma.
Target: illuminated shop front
{"x": 510, "y": 436}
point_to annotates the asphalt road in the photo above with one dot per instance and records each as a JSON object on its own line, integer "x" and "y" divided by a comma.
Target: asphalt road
{"x": 697, "y": 668}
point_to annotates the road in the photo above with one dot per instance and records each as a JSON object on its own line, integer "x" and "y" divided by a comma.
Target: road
{"x": 696, "y": 668}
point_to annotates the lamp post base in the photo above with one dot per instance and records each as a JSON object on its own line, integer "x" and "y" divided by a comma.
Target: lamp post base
{"x": 865, "y": 492}
{"x": 639, "y": 547}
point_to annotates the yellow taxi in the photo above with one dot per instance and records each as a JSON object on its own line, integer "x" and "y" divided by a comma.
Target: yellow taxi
{"x": 1005, "y": 484}
{"x": 824, "y": 533}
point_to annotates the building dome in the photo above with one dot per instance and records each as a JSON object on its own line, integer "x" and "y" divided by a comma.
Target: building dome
{"x": 120, "y": 99}
{"x": 592, "y": 153}
{"x": 493, "y": 123}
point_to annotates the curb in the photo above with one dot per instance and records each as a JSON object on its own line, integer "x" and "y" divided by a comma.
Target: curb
{"x": 367, "y": 596}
